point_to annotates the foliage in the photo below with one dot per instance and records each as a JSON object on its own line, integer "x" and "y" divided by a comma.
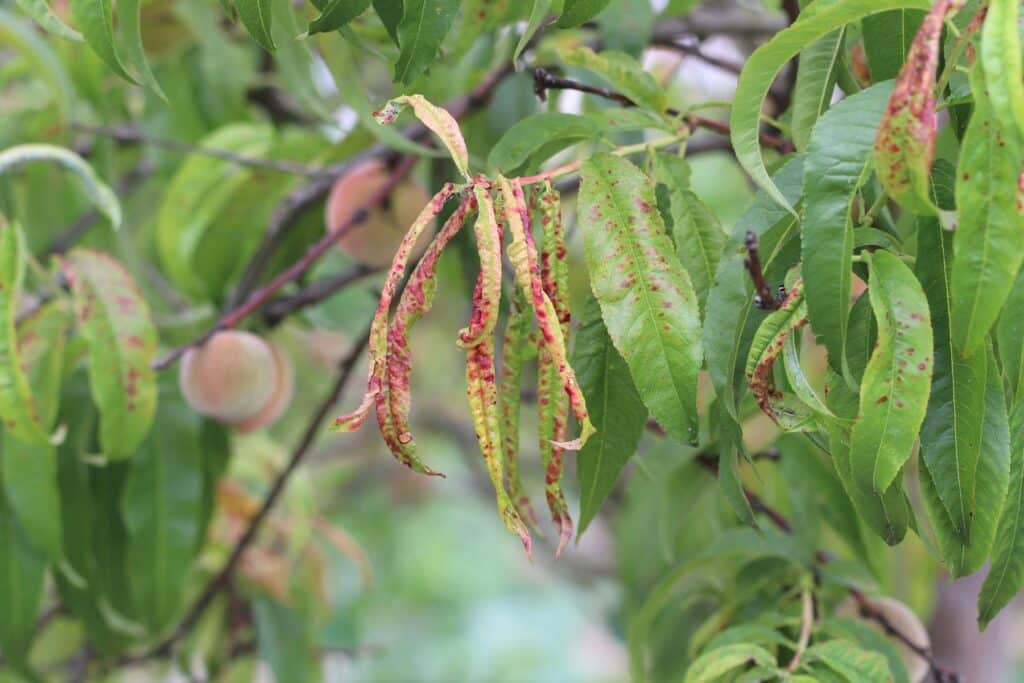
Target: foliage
{"x": 162, "y": 179}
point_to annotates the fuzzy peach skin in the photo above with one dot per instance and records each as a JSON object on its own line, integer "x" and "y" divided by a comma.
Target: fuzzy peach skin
{"x": 230, "y": 378}
{"x": 373, "y": 241}
{"x": 284, "y": 389}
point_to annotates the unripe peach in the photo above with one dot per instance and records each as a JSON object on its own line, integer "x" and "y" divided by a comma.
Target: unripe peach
{"x": 230, "y": 378}
{"x": 374, "y": 240}
{"x": 284, "y": 389}
{"x": 900, "y": 617}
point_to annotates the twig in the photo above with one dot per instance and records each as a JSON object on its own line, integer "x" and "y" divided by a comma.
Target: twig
{"x": 544, "y": 80}
{"x": 134, "y": 135}
{"x": 222, "y": 578}
{"x": 764, "y": 298}
{"x": 313, "y": 293}
{"x": 806, "y": 623}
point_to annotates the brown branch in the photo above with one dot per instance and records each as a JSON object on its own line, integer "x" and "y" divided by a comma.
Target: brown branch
{"x": 223, "y": 577}
{"x": 544, "y": 80}
{"x": 764, "y": 298}
{"x": 313, "y": 293}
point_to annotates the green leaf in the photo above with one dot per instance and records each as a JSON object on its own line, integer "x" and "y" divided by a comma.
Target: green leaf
{"x": 991, "y": 480}
{"x": 816, "y": 21}
{"x": 390, "y": 14}
{"x": 696, "y": 231}
{"x": 622, "y": 72}
{"x": 712, "y": 665}
{"x": 98, "y": 191}
{"x": 837, "y": 167}
{"x": 160, "y": 506}
{"x": 18, "y": 408}
{"x": 864, "y": 634}
{"x": 40, "y": 11}
{"x": 286, "y": 641}
{"x": 951, "y": 435}
{"x": 41, "y": 58}
{"x": 422, "y": 31}
{"x": 897, "y": 380}
{"x": 536, "y": 138}
{"x": 22, "y": 569}
{"x": 1001, "y": 62}
{"x": 130, "y": 19}
{"x": 615, "y": 408}
{"x": 579, "y": 12}
{"x": 114, "y": 321}
{"x": 336, "y": 13}
{"x": 96, "y": 21}
{"x": 730, "y": 452}
{"x": 850, "y": 660}
{"x": 1010, "y": 340}
{"x": 538, "y": 12}
{"x": 199, "y": 191}
{"x": 887, "y": 39}
{"x": 257, "y": 16}
{"x": 1006, "y": 576}
{"x": 815, "y": 82}
{"x": 988, "y": 244}
{"x": 647, "y": 300}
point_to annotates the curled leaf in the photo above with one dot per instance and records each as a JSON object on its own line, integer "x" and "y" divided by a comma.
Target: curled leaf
{"x": 488, "y": 288}
{"x": 905, "y": 145}
{"x": 523, "y": 254}
{"x": 394, "y": 400}
{"x": 378, "y": 343}
{"x": 437, "y": 119}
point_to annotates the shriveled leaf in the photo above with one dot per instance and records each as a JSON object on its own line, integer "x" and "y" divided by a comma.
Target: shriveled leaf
{"x": 98, "y": 191}
{"x": 951, "y": 435}
{"x": 161, "y": 508}
{"x": 114, "y": 320}
{"x": 579, "y": 12}
{"x": 257, "y": 17}
{"x": 536, "y": 138}
{"x": 837, "y": 167}
{"x": 905, "y": 146}
{"x": 437, "y": 119}
{"x": 95, "y": 20}
{"x": 815, "y": 82}
{"x": 887, "y": 39}
{"x": 422, "y": 31}
{"x": 514, "y": 349}
{"x": 716, "y": 663}
{"x": 336, "y": 13}
{"x": 816, "y": 21}
{"x": 1006, "y": 576}
{"x": 647, "y": 299}
{"x": 615, "y": 407}
{"x": 44, "y": 16}
{"x": 622, "y": 72}
{"x": 897, "y": 380}
{"x": 988, "y": 244}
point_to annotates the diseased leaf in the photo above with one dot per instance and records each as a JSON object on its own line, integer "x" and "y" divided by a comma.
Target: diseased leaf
{"x": 114, "y": 320}
{"x": 336, "y": 13}
{"x": 622, "y": 72}
{"x": 988, "y": 244}
{"x": 990, "y": 483}
{"x": 647, "y": 299}
{"x": 161, "y": 506}
{"x": 897, "y": 380}
{"x": 615, "y": 407}
{"x": 44, "y": 16}
{"x": 535, "y": 139}
{"x": 951, "y": 435}
{"x": 18, "y": 408}
{"x": 437, "y": 119}
{"x": 816, "y": 21}
{"x": 579, "y": 12}
{"x": 887, "y": 39}
{"x": 714, "y": 664}
{"x": 1006, "y": 576}
{"x": 905, "y": 145}
{"x": 95, "y": 19}
{"x": 1001, "y": 63}
{"x": 422, "y": 31}
{"x": 514, "y": 349}
{"x": 815, "y": 82}
{"x": 99, "y": 192}
{"x": 256, "y": 16}
{"x": 837, "y": 167}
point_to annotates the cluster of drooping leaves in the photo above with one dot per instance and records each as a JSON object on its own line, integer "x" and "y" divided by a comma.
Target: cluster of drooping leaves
{"x": 541, "y": 278}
